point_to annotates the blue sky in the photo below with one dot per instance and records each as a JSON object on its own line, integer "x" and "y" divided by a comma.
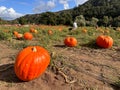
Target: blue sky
{"x": 11, "y": 9}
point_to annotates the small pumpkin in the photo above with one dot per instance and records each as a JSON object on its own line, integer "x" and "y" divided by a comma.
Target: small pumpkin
{"x": 15, "y": 33}
{"x": 19, "y": 36}
{"x": 84, "y": 30}
{"x": 32, "y": 30}
{"x": 70, "y": 41}
{"x": 50, "y": 32}
{"x": 104, "y": 41}
{"x": 35, "y": 31}
{"x": 60, "y": 29}
{"x": 31, "y": 62}
{"x": 28, "y": 36}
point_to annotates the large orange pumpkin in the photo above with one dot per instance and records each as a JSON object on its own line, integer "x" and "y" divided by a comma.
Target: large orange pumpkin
{"x": 31, "y": 62}
{"x": 70, "y": 41}
{"x": 104, "y": 41}
{"x": 28, "y": 36}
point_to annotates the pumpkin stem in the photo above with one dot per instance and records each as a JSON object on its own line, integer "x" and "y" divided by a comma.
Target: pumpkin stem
{"x": 34, "y": 49}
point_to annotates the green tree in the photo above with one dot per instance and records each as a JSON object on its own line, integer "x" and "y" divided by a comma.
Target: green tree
{"x": 116, "y": 21}
{"x": 80, "y": 20}
{"x": 94, "y": 21}
{"x": 22, "y": 21}
{"x": 64, "y": 18}
{"x": 105, "y": 20}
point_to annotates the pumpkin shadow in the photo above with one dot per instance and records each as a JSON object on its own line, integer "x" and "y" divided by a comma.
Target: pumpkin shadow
{"x": 70, "y": 29}
{"x": 115, "y": 86}
{"x": 7, "y": 74}
{"x": 62, "y": 46}
{"x": 91, "y": 44}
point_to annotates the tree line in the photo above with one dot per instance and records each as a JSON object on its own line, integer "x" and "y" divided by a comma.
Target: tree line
{"x": 50, "y": 18}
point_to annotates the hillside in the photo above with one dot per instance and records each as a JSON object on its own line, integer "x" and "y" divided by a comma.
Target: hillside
{"x": 103, "y": 8}
{"x": 106, "y": 11}
{"x": 4, "y": 21}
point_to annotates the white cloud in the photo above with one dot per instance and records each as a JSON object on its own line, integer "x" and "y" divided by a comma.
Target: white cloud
{"x": 65, "y": 3}
{"x": 66, "y": 6}
{"x": 8, "y": 13}
{"x": 50, "y": 4}
{"x": 79, "y": 2}
{"x": 44, "y": 6}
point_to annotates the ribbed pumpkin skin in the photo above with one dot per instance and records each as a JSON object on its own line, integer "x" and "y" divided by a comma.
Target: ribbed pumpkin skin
{"x": 70, "y": 41}
{"x": 30, "y": 63}
{"x": 28, "y": 36}
{"x": 104, "y": 41}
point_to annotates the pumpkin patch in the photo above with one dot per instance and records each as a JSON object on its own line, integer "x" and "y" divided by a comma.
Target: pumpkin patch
{"x": 72, "y": 54}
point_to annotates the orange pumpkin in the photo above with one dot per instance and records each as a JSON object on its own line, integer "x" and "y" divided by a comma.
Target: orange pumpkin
{"x": 15, "y": 33}
{"x": 35, "y": 31}
{"x": 32, "y": 29}
{"x": 50, "y": 32}
{"x": 31, "y": 62}
{"x": 104, "y": 41}
{"x": 60, "y": 29}
{"x": 70, "y": 41}
{"x": 28, "y": 36}
{"x": 19, "y": 36}
{"x": 84, "y": 30}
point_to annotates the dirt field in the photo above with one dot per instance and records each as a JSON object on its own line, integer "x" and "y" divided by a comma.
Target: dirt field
{"x": 73, "y": 69}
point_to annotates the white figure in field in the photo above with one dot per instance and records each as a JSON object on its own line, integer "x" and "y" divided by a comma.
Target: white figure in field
{"x": 75, "y": 25}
